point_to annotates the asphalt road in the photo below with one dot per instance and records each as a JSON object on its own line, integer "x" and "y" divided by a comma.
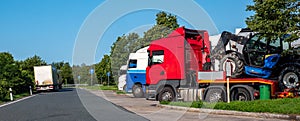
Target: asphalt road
{"x": 66, "y": 105}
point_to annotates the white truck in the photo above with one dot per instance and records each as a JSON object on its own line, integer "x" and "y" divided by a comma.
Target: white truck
{"x": 46, "y": 78}
{"x": 122, "y": 77}
{"x": 136, "y": 72}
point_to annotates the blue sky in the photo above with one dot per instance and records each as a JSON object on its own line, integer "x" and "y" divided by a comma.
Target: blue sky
{"x": 49, "y": 28}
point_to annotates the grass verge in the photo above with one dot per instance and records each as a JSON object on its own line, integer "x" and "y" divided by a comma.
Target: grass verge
{"x": 114, "y": 87}
{"x": 16, "y": 97}
{"x": 282, "y": 106}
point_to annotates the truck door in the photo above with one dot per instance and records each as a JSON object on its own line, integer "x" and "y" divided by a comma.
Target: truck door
{"x": 157, "y": 72}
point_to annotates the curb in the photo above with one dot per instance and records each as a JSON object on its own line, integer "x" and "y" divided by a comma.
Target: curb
{"x": 235, "y": 113}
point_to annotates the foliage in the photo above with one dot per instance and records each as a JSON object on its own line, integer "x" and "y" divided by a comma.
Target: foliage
{"x": 66, "y": 73}
{"x": 26, "y": 68}
{"x": 17, "y": 75}
{"x": 120, "y": 51}
{"x": 282, "y": 106}
{"x": 130, "y": 43}
{"x": 274, "y": 18}
{"x": 103, "y": 68}
{"x": 108, "y": 87}
{"x": 84, "y": 72}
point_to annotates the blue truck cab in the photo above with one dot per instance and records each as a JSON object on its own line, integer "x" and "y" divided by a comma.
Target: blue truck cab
{"x": 136, "y": 72}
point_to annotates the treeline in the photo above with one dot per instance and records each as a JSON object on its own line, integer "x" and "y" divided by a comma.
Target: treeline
{"x": 19, "y": 75}
{"x": 130, "y": 43}
{"x": 120, "y": 50}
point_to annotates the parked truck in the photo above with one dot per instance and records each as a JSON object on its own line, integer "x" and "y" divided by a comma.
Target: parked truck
{"x": 136, "y": 72}
{"x": 46, "y": 78}
{"x": 179, "y": 68}
{"x": 122, "y": 77}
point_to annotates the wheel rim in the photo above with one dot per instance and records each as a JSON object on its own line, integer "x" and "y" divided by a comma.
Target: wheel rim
{"x": 290, "y": 80}
{"x": 167, "y": 96}
{"x": 241, "y": 97}
{"x": 215, "y": 97}
{"x": 137, "y": 90}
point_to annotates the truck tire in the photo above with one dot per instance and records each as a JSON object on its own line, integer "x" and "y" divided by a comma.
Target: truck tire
{"x": 215, "y": 95}
{"x": 240, "y": 94}
{"x": 166, "y": 94}
{"x": 237, "y": 64}
{"x": 137, "y": 91}
{"x": 289, "y": 78}
{"x": 124, "y": 88}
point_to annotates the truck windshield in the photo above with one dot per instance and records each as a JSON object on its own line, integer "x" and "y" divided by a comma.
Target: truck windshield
{"x": 157, "y": 57}
{"x": 132, "y": 63}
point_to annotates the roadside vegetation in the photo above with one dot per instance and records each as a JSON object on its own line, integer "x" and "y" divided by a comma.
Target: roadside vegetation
{"x": 105, "y": 87}
{"x": 282, "y": 106}
{"x": 18, "y": 74}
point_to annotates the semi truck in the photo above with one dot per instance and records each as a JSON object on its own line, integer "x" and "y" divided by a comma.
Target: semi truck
{"x": 136, "y": 72}
{"x": 46, "y": 78}
{"x": 179, "y": 68}
{"x": 122, "y": 77}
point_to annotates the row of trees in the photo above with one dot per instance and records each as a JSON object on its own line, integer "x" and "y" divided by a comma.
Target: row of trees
{"x": 19, "y": 75}
{"x": 126, "y": 44}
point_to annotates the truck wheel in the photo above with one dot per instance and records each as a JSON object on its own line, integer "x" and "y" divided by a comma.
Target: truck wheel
{"x": 215, "y": 95}
{"x": 237, "y": 64}
{"x": 240, "y": 94}
{"x": 167, "y": 94}
{"x": 137, "y": 91}
{"x": 289, "y": 78}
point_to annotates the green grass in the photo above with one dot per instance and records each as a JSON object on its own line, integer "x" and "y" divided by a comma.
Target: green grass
{"x": 114, "y": 87}
{"x": 120, "y": 92}
{"x": 92, "y": 87}
{"x": 282, "y": 106}
{"x": 16, "y": 97}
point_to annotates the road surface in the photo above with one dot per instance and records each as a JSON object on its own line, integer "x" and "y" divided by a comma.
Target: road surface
{"x": 81, "y": 105}
{"x": 65, "y": 106}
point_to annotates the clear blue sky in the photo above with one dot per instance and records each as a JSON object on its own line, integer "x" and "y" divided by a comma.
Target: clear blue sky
{"x": 49, "y": 28}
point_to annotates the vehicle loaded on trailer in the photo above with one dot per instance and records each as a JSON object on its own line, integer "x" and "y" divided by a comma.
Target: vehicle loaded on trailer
{"x": 255, "y": 56}
{"x": 180, "y": 68}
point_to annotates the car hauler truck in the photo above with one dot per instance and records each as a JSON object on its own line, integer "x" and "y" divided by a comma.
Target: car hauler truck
{"x": 179, "y": 68}
{"x": 136, "y": 72}
{"x": 46, "y": 78}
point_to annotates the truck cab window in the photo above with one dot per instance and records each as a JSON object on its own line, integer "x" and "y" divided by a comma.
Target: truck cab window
{"x": 132, "y": 63}
{"x": 157, "y": 57}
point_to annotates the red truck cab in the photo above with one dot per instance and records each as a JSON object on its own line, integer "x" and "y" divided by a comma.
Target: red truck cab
{"x": 174, "y": 62}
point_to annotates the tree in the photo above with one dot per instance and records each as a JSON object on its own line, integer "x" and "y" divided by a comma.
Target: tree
{"x": 66, "y": 73}
{"x": 102, "y": 68}
{"x": 26, "y": 68}
{"x": 130, "y": 43}
{"x": 9, "y": 75}
{"x": 83, "y": 71}
{"x": 168, "y": 21}
{"x": 275, "y": 18}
